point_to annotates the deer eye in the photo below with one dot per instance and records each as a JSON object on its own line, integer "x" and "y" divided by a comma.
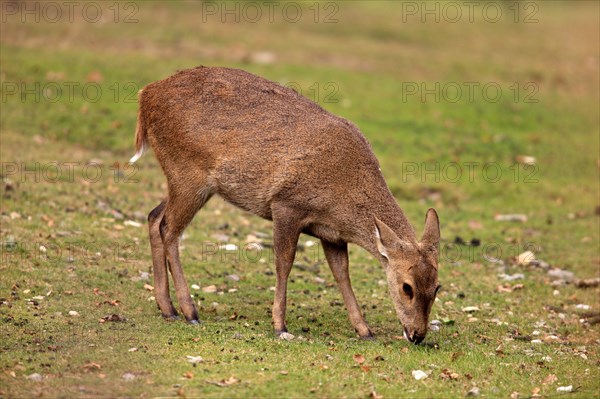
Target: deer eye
{"x": 407, "y": 290}
{"x": 439, "y": 287}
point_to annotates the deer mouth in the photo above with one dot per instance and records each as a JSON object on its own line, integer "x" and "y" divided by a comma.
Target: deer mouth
{"x": 414, "y": 337}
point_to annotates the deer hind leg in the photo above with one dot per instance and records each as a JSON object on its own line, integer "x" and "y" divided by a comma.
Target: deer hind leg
{"x": 337, "y": 257}
{"x": 159, "y": 264}
{"x": 181, "y": 206}
{"x": 286, "y": 231}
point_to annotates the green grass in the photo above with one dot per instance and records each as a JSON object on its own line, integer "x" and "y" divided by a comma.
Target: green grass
{"x": 370, "y": 55}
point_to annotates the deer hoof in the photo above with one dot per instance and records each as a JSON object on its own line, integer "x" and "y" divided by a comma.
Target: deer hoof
{"x": 195, "y": 322}
{"x": 172, "y": 317}
{"x": 368, "y": 337}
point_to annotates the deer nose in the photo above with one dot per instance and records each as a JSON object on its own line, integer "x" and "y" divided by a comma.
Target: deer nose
{"x": 417, "y": 339}
{"x": 414, "y": 337}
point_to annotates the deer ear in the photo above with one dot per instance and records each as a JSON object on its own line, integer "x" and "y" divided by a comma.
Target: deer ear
{"x": 388, "y": 241}
{"x": 431, "y": 234}
{"x": 385, "y": 238}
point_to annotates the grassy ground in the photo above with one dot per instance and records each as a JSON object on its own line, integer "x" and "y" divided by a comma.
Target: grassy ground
{"x": 71, "y": 255}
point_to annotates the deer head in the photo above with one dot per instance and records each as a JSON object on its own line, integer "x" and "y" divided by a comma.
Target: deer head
{"x": 412, "y": 274}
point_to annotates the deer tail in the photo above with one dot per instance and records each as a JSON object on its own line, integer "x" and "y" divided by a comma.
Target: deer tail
{"x": 141, "y": 141}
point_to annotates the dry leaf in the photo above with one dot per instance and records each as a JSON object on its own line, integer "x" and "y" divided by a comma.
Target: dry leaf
{"x": 91, "y": 366}
{"x": 189, "y": 375}
{"x": 552, "y": 378}
{"x": 503, "y": 288}
{"x": 375, "y": 395}
{"x": 365, "y": 368}
{"x": 94, "y": 76}
{"x": 448, "y": 375}
{"x": 358, "y": 358}
{"x": 230, "y": 381}
{"x": 115, "y": 318}
{"x": 475, "y": 225}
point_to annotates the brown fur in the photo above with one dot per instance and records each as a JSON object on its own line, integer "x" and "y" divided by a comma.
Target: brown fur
{"x": 274, "y": 153}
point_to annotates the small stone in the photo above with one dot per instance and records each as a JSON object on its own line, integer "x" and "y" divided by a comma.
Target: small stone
{"x": 35, "y": 377}
{"x": 526, "y": 258}
{"x": 221, "y": 237}
{"x": 194, "y": 359}
{"x": 73, "y": 313}
{"x": 234, "y": 277}
{"x": 10, "y": 242}
{"x": 251, "y": 238}
{"x": 557, "y": 274}
{"x": 210, "y": 289}
{"x": 262, "y": 58}
{"x": 526, "y": 159}
{"x": 286, "y": 336}
{"x": 568, "y": 388}
{"x": 470, "y": 309}
{"x": 511, "y": 218}
{"x": 128, "y": 377}
{"x": 473, "y": 392}
{"x": 419, "y": 374}
{"x": 512, "y": 277}
{"x": 195, "y": 287}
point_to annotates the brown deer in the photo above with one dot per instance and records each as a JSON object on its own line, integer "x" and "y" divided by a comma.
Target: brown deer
{"x": 267, "y": 150}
